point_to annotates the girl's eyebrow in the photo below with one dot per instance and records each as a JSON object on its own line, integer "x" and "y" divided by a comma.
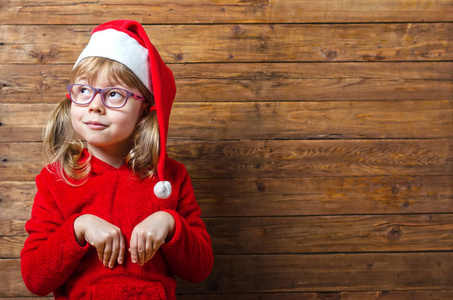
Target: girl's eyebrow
{"x": 81, "y": 79}
{"x": 110, "y": 84}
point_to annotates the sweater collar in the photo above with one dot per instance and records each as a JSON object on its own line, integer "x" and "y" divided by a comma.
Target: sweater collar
{"x": 99, "y": 167}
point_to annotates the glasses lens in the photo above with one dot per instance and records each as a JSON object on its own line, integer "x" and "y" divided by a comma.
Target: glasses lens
{"x": 115, "y": 97}
{"x": 81, "y": 94}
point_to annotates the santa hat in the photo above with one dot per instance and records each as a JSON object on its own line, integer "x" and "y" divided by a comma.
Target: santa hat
{"x": 126, "y": 41}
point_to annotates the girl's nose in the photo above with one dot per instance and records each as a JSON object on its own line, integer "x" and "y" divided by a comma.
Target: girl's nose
{"x": 96, "y": 104}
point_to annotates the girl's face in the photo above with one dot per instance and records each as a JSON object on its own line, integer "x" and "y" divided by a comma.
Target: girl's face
{"x": 104, "y": 129}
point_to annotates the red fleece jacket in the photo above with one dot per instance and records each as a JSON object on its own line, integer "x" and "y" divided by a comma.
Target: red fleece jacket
{"x": 52, "y": 261}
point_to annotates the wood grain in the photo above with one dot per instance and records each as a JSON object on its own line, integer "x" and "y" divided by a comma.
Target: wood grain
{"x": 300, "y": 273}
{"x": 243, "y": 159}
{"x": 259, "y": 82}
{"x": 373, "y": 295}
{"x": 311, "y": 234}
{"x": 383, "y": 295}
{"x": 331, "y": 234}
{"x": 332, "y": 272}
{"x": 225, "y": 11}
{"x": 256, "y": 197}
{"x": 271, "y": 120}
{"x": 276, "y": 159}
{"x": 245, "y": 42}
{"x": 318, "y": 135}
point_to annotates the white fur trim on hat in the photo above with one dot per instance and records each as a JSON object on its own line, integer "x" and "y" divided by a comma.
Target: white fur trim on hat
{"x": 162, "y": 189}
{"x": 121, "y": 47}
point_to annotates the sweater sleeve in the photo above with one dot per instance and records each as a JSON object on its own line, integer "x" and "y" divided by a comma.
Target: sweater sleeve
{"x": 51, "y": 253}
{"x": 189, "y": 252}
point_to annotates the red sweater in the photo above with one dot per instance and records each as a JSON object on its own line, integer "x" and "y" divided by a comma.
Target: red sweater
{"x": 52, "y": 261}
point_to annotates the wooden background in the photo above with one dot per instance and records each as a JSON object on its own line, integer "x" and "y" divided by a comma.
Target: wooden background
{"x": 318, "y": 135}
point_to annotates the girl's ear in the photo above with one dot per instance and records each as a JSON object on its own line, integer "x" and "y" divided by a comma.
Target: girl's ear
{"x": 144, "y": 109}
{"x": 144, "y": 106}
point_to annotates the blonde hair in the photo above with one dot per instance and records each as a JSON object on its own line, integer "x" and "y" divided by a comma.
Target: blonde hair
{"x": 65, "y": 150}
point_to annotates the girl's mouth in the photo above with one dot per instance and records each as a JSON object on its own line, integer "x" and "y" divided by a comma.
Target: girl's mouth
{"x": 95, "y": 125}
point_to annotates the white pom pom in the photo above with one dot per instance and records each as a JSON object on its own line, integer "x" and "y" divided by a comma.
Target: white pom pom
{"x": 162, "y": 189}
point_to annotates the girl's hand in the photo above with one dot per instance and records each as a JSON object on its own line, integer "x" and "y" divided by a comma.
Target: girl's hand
{"x": 105, "y": 237}
{"x": 149, "y": 235}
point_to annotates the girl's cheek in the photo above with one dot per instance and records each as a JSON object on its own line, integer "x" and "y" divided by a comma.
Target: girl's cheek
{"x": 75, "y": 116}
{"x": 72, "y": 115}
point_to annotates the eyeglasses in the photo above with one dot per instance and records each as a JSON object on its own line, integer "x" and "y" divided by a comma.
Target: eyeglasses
{"x": 112, "y": 97}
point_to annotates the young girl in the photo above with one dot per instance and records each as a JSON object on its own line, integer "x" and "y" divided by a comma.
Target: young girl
{"x": 119, "y": 219}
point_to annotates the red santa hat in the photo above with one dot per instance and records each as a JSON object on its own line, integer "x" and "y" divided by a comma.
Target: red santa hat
{"x": 126, "y": 41}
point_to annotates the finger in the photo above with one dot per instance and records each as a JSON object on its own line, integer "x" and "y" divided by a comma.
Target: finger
{"x": 156, "y": 247}
{"x": 141, "y": 248}
{"x": 148, "y": 248}
{"x": 122, "y": 250}
{"x": 115, "y": 251}
{"x": 107, "y": 252}
{"x": 133, "y": 247}
{"x": 100, "y": 248}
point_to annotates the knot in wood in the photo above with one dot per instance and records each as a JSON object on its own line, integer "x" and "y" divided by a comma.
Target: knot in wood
{"x": 394, "y": 233}
{"x": 98, "y": 13}
{"x": 260, "y": 186}
{"x": 328, "y": 296}
{"x": 395, "y": 189}
{"x": 214, "y": 286}
{"x": 330, "y": 54}
{"x": 237, "y": 30}
{"x": 210, "y": 226}
{"x": 45, "y": 56}
{"x": 179, "y": 57}
{"x": 262, "y": 45}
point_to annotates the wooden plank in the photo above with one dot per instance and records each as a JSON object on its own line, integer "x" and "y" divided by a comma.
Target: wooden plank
{"x": 259, "y": 82}
{"x": 271, "y": 120}
{"x": 244, "y": 159}
{"x": 313, "y": 120}
{"x": 29, "y": 298}
{"x": 384, "y": 295}
{"x": 301, "y": 273}
{"x": 225, "y": 11}
{"x": 334, "y": 272}
{"x": 277, "y": 159}
{"x": 245, "y": 42}
{"x": 11, "y": 227}
{"x": 10, "y": 246}
{"x": 324, "y": 196}
{"x": 313, "y": 234}
{"x": 16, "y": 200}
{"x": 329, "y": 234}
{"x": 270, "y": 197}
{"x": 11, "y": 278}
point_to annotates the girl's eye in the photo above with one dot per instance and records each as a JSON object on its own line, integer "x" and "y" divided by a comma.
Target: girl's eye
{"x": 115, "y": 95}
{"x": 85, "y": 91}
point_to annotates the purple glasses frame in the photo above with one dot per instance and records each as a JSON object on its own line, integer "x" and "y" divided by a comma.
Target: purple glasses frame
{"x": 100, "y": 91}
